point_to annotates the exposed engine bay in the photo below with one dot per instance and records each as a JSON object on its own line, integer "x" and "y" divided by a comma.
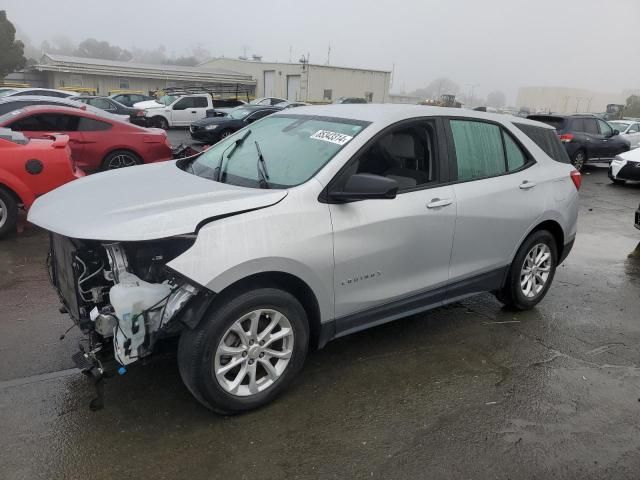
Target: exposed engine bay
{"x": 120, "y": 294}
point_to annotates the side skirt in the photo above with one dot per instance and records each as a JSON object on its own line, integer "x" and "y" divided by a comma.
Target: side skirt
{"x": 412, "y": 305}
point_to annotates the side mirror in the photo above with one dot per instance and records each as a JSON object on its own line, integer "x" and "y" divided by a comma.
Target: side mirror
{"x": 363, "y": 186}
{"x": 615, "y": 132}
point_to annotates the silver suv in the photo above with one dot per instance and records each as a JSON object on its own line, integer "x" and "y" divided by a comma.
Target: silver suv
{"x": 303, "y": 227}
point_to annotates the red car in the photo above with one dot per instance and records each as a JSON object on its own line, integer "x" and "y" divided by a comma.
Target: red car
{"x": 97, "y": 142}
{"x": 28, "y": 169}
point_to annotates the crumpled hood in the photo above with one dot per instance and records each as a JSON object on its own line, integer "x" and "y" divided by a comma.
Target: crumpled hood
{"x": 146, "y": 202}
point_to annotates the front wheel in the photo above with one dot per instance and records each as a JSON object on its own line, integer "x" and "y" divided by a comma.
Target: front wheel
{"x": 531, "y": 272}
{"x": 245, "y": 351}
{"x": 618, "y": 182}
{"x": 160, "y": 122}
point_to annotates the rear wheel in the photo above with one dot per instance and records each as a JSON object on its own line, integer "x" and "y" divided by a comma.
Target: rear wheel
{"x": 618, "y": 182}
{"x": 531, "y": 273}
{"x": 225, "y": 134}
{"x": 579, "y": 159}
{"x": 120, "y": 159}
{"x": 8, "y": 213}
{"x": 245, "y": 351}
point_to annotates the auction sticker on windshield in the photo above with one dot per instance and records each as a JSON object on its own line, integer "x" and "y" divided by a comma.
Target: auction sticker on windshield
{"x": 333, "y": 137}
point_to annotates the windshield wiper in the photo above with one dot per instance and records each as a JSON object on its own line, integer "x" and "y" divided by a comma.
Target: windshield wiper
{"x": 263, "y": 174}
{"x": 218, "y": 171}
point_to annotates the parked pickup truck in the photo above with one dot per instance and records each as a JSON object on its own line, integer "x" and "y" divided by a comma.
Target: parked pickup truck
{"x": 180, "y": 111}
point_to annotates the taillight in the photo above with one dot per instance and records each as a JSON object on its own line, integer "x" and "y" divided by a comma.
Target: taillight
{"x": 576, "y": 178}
{"x": 140, "y": 113}
{"x": 566, "y": 137}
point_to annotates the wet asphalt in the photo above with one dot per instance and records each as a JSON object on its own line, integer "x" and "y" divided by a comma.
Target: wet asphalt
{"x": 470, "y": 391}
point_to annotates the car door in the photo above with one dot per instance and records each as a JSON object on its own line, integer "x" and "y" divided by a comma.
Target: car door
{"x": 595, "y": 141}
{"x": 394, "y": 253}
{"x": 38, "y": 125}
{"x": 181, "y": 112}
{"x": 498, "y": 200}
{"x": 199, "y": 108}
{"x": 96, "y": 138}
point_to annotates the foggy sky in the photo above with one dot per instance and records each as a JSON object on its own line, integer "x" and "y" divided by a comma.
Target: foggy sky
{"x": 497, "y": 44}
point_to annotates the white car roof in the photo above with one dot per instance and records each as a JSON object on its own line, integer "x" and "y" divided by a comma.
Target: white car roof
{"x": 388, "y": 113}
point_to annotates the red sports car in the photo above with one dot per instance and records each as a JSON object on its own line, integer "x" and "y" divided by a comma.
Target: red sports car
{"x": 97, "y": 142}
{"x": 28, "y": 169}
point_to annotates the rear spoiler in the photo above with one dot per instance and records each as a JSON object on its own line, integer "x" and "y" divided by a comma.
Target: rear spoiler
{"x": 59, "y": 140}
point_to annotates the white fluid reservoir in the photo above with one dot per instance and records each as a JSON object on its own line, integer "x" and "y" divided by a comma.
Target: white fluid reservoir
{"x": 129, "y": 299}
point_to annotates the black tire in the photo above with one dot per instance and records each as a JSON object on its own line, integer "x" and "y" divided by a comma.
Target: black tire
{"x": 579, "y": 159}
{"x": 8, "y": 213}
{"x": 120, "y": 159}
{"x": 618, "y": 181}
{"x": 160, "y": 122}
{"x": 511, "y": 293}
{"x": 197, "y": 348}
{"x": 224, "y": 134}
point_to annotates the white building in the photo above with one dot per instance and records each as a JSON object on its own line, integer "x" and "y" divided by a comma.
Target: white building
{"x": 567, "y": 99}
{"x": 308, "y": 82}
{"x": 106, "y": 76}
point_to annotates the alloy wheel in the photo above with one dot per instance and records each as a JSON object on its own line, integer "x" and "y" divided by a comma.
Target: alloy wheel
{"x": 121, "y": 160}
{"x": 4, "y": 213}
{"x": 535, "y": 270}
{"x": 254, "y": 352}
{"x": 578, "y": 160}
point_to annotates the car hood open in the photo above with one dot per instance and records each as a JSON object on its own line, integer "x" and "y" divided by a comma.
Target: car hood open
{"x": 142, "y": 203}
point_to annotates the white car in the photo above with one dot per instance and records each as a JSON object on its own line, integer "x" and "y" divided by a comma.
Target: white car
{"x": 48, "y": 92}
{"x": 302, "y": 227}
{"x": 625, "y": 167}
{"x": 629, "y": 129}
{"x": 176, "y": 111}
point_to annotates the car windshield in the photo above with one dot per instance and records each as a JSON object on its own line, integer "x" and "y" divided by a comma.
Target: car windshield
{"x": 295, "y": 148}
{"x": 167, "y": 99}
{"x": 620, "y": 126}
{"x": 6, "y": 91}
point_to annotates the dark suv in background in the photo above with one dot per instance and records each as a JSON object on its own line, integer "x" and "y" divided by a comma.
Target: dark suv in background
{"x": 585, "y": 137}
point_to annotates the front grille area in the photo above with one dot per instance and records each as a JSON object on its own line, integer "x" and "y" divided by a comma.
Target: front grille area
{"x": 63, "y": 274}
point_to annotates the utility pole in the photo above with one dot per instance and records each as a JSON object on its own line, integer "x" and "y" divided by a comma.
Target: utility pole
{"x": 290, "y": 52}
{"x": 472, "y": 87}
{"x": 578, "y": 100}
{"x": 329, "y": 55}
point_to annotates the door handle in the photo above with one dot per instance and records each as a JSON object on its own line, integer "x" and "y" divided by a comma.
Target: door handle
{"x": 526, "y": 185}
{"x": 437, "y": 203}
{"x": 193, "y": 111}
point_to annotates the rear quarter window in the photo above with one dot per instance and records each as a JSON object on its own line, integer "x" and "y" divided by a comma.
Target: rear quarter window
{"x": 547, "y": 140}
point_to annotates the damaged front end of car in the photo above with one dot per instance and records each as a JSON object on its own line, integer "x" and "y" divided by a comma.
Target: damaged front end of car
{"x": 122, "y": 296}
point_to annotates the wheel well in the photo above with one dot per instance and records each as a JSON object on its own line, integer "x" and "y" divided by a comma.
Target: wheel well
{"x": 289, "y": 283}
{"x": 554, "y": 229}
{"x": 15, "y": 196}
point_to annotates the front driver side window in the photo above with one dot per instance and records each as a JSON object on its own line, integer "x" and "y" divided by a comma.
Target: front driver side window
{"x": 605, "y": 129}
{"x": 183, "y": 104}
{"x": 405, "y": 154}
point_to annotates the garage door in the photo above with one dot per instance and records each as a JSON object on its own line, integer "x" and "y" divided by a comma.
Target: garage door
{"x": 293, "y": 87}
{"x": 269, "y": 83}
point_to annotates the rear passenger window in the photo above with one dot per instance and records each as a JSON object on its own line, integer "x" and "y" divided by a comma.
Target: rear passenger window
{"x": 577, "y": 125}
{"x": 547, "y": 140}
{"x": 515, "y": 156}
{"x": 479, "y": 150}
{"x": 90, "y": 125}
{"x": 591, "y": 126}
{"x": 200, "y": 102}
